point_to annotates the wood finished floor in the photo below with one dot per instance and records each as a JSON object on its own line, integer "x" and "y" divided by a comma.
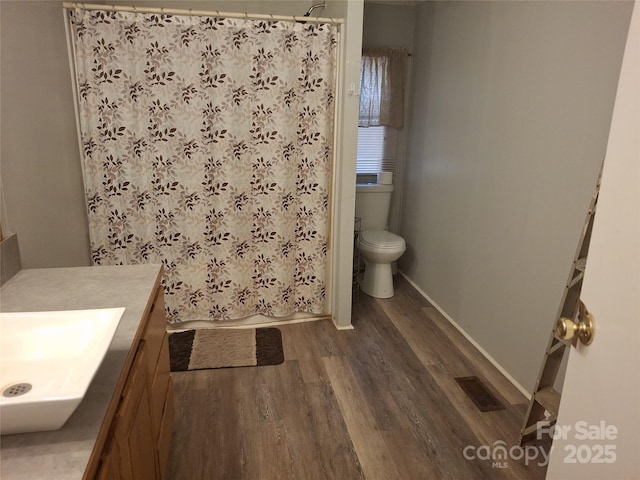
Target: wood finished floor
{"x": 376, "y": 402}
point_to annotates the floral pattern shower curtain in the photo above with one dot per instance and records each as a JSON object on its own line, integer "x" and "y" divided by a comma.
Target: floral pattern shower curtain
{"x": 207, "y": 146}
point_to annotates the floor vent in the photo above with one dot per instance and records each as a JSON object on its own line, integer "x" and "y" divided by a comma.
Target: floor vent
{"x": 483, "y": 398}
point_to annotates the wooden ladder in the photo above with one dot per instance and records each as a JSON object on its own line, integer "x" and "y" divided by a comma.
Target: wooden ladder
{"x": 545, "y": 400}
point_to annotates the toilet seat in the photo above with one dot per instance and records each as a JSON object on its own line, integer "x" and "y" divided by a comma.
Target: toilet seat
{"x": 381, "y": 239}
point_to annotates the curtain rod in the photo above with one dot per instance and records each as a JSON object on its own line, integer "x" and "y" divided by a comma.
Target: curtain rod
{"x": 202, "y": 13}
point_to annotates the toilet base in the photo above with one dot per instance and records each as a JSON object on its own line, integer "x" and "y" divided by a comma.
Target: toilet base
{"x": 378, "y": 280}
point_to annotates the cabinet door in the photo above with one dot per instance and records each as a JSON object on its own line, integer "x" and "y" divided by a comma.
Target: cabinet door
{"x": 155, "y": 330}
{"x": 110, "y": 464}
{"x": 137, "y": 446}
{"x": 134, "y": 432}
{"x": 160, "y": 383}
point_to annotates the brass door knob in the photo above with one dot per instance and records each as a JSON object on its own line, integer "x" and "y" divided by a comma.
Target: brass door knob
{"x": 584, "y": 329}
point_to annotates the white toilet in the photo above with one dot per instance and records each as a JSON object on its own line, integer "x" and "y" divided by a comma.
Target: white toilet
{"x": 378, "y": 247}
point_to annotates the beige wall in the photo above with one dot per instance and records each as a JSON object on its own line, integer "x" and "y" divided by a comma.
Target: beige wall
{"x": 40, "y": 162}
{"x": 392, "y": 25}
{"x": 275, "y": 7}
{"x": 510, "y": 115}
{"x": 388, "y": 25}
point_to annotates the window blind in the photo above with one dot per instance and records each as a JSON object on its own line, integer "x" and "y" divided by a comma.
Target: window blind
{"x": 377, "y": 147}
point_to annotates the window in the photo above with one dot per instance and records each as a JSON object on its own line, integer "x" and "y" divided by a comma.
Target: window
{"x": 381, "y": 113}
{"x": 377, "y": 149}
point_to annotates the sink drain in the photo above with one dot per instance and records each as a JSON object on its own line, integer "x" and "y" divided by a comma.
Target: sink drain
{"x": 16, "y": 390}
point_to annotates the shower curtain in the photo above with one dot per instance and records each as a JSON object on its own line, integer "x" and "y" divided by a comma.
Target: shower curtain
{"x": 207, "y": 146}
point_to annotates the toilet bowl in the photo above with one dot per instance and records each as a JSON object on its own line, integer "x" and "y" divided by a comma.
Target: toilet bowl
{"x": 378, "y": 249}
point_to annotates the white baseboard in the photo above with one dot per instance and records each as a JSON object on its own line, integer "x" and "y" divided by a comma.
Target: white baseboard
{"x": 500, "y": 368}
{"x": 341, "y": 327}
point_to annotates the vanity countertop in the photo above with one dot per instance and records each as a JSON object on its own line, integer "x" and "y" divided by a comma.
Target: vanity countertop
{"x": 63, "y": 454}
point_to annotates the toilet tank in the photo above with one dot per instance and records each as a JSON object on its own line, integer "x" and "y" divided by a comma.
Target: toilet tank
{"x": 372, "y": 205}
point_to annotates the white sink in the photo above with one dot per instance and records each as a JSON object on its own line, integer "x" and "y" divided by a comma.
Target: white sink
{"x": 47, "y": 361}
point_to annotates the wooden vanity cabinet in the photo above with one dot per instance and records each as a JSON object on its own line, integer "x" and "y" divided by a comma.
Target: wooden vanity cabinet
{"x": 136, "y": 445}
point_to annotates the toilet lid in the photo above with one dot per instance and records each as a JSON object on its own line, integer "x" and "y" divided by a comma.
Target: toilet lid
{"x": 381, "y": 239}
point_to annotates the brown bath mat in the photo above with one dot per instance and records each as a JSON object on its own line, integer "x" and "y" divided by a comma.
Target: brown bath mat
{"x": 483, "y": 398}
{"x": 202, "y": 348}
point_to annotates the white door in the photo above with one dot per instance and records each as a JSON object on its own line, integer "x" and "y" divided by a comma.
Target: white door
{"x": 598, "y": 429}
